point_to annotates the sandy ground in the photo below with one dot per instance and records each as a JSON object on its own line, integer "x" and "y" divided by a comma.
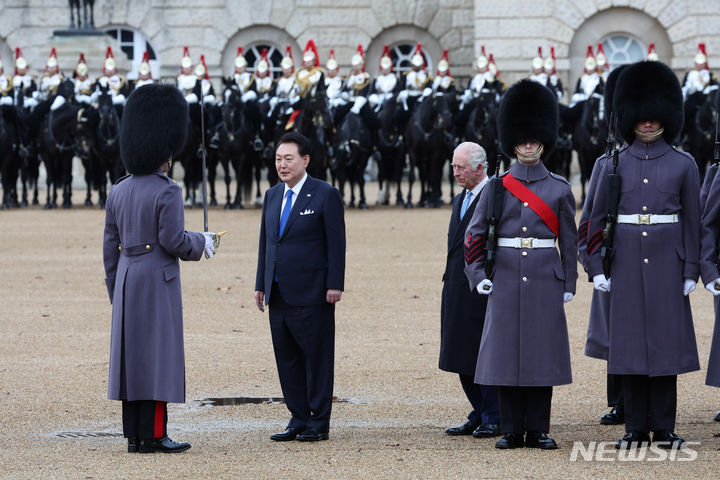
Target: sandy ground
{"x": 57, "y": 422}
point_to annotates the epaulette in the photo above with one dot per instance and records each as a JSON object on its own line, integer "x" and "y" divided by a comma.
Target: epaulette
{"x": 559, "y": 177}
{"x": 122, "y": 178}
{"x": 500, "y": 175}
{"x": 683, "y": 152}
{"x": 162, "y": 175}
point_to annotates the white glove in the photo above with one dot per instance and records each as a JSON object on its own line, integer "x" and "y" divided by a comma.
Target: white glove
{"x": 567, "y": 296}
{"x": 345, "y": 95}
{"x": 57, "y": 103}
{"x": 83, "y": 99}
{"x": 273, "y": 102}
{"x": 118, "y": 99}
{"x": 7, "y": 100}
{"x": 359, "y": 103}
{"x": 209, "y": 98}
{"x": 191, "y": 98}
{"x": 30, "y": 102}
{"x": 249, "y": 96}
{"x": 688, "y": 286}
{"x": 402, "y": 96}
{"x": 714, "y": 286}
{"x": 209, "y": 244}
{"x": 427, "y": 92}
{"x": 466, "y": 97}
{"x": 485, "y": 287}
{"x": 601, "y": 283}
{"x": 374, "y": 99}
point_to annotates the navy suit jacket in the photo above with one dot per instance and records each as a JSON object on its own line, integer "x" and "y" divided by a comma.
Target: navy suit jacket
{"x": 309, "y": 257}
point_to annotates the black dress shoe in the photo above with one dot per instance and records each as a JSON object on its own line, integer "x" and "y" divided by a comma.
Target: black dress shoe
{"x": 487, "y": 430}
{"x": 717, "y": 417}
{"x": 667, "y": 439}
{"x": 633, "y": 440}
{"x": 510, "y": 440}
{"x": 289, "y": 434}
{"x": 132, "y": 445}
{"x": 312, "y": 434}
{"x": 540, "y": 440}
{"x": 164, "y": 445}
{"x": 466, "y": 428}
{"x": 616, "y": 416}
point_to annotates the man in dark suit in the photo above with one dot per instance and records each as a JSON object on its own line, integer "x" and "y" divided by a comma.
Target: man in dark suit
{"x": 300, "y": 275}
{"x": 463, "y": 309}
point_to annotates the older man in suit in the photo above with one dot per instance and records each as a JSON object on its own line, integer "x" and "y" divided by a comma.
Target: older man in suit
{"x": 463, "y": 310}
{"x": 300, "y": 275}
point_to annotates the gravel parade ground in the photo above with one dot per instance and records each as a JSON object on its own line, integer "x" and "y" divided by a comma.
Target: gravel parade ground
{"x": 393, "y": 403}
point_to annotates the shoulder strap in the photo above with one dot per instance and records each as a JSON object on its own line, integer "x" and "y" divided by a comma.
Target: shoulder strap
{"x": 537, "y": 204}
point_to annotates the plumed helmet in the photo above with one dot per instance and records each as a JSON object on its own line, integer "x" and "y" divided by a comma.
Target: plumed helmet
{"x": 528, "y": 111}
{"x": 648, "y": 91}
{"x": 610, "y": 84}
{"x": 154, "y": 127}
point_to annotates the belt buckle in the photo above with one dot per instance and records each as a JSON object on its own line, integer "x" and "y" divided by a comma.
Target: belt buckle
{"x": 644, "y": 219}
{"x": 526, "y": 242}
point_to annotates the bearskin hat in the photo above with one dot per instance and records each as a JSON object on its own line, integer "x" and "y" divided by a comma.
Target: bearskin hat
{"x": 154, "y": 127}
{"x": 528, "y": 111}
{"x": 610, "y": 89}
{"x": 648, "y": 91}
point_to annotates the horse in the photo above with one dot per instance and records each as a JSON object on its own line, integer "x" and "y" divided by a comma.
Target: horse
{"x": 430, "y": 143}
{"x": 701, "y": 132}
{"x": 481, "y": 127}
{"x": 352, "y": 151}
{"x": 234, "y": 135}
{"x": 106, "y": 151}
{"x": 314, "y": 121}
{"x": 558, "y": 161}
{"x": 590, "y": 136}
{"x": 391, "y": 147}
{"x": 9, "y": 164}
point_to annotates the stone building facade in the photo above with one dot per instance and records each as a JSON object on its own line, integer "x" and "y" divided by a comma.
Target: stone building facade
{"x": 511, "y": 29}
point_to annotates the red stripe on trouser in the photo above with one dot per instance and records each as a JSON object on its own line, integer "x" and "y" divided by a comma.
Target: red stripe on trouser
{"x": 159, "y": 419}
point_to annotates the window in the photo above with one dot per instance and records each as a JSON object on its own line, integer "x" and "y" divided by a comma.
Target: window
{"x": 401, "y": 55}
{"x": 275, "y": 56}
{"x": 134, "y": 44}
{"x": 623, "y": 49}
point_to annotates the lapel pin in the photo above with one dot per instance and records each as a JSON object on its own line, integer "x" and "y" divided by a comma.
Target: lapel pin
{"x": 309, "y": 195}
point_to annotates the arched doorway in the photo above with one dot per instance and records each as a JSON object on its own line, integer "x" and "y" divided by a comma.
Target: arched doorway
{"x": 134, "y": 43}
{"x": 402, "y": 40}
{"x": 253, "y": 40}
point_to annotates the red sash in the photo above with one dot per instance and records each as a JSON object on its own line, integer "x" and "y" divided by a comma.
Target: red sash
{"x": 538, "y": 205}
{"x": 291, "y": 120}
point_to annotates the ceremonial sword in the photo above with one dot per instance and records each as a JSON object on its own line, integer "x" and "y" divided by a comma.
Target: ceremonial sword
{"x": 203, "y": 155}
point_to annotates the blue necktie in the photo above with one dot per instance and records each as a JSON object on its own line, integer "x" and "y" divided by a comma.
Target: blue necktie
{"x": 465, "y": 204}
{"x": 286, "y": 211}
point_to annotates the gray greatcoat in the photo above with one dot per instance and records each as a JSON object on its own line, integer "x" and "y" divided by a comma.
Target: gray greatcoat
{"x": 710, "y": 240}
{"x": 650, "y": 323}
{"x": 525, "y": 340}
{"x": 144, "y": 238}
{"x": 462, "y": 310}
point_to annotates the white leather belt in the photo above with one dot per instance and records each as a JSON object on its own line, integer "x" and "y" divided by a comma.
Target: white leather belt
{"x": 647, "y": 219}
{"x": 519, "y": 242}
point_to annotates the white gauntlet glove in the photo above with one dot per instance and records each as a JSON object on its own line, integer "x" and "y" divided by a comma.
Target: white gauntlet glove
{"x": 209, "y": 244}
{"x": 714, "y": 287}
{"x": 567, "y": 296}
{"x": 601, "y": 283}
{"x": 485, "y": 287}
{"x": 688, "y": 286}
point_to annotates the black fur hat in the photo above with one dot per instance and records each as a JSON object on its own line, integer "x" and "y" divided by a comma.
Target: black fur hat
{"x": 610, "y": 89}
{"x": 528, "y": 111}
{"x": 648, "y": 90}
{"x": 154, "y": 127}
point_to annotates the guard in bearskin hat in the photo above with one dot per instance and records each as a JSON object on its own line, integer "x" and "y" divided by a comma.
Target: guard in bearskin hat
{"x": 653, "y": 265}
{"x": 533, "y": 212}
{"x": 144, "y": 238}
{"x": 596, "y": 345}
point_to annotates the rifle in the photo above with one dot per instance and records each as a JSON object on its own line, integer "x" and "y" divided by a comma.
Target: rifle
{"x": 612, "y": 199}
{"x": 496, "y": 194}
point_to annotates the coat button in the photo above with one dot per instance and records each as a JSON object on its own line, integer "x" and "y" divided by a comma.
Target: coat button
{"x": 120, "y": 248}
{"x": 524, "y": 229}
{"x": 524, "y": 279}
{"x": 644, "y": 209}
{"x": 644, "y": 234}
{"x": 525, "y": 204}
{"x": 147, "y": 247}
{"x": 645, "y": 180}
{"x": 524, "y": 254}
{"x": 646, "y": 261}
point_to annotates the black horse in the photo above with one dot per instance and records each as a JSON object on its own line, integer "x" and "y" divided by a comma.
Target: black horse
{"x": 701, "y": 131}
{"x": 9, "y": 160}
{"x": 590, "y": 136}
{"x": 559, "y": 159}
{"x": 106, "y": 147}
{"x": 352, "y": 151}
{"x": 481, "y": 127}
{"x": 391, "y": 146}
{"x": 315, "y": 122}
{"x": 430, "y": 143}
